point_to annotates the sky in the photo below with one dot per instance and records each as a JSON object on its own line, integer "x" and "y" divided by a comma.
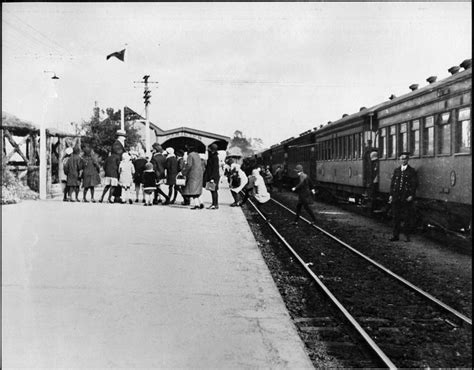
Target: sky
{"x": 270, "y": 70}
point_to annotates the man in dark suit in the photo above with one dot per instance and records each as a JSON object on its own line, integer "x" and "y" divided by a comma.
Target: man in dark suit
{"x": 402, "y": 195}
{"x": 305, "y": 190}
{"x": 159, "y": 165}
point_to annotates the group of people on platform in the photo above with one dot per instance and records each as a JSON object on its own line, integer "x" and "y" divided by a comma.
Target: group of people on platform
{"x": 129, "y": 174}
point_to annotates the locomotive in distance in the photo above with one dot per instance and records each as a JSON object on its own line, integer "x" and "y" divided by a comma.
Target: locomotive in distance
{"x": 352, "y": 159}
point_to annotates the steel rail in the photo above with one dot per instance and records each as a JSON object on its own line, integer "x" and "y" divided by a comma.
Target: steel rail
{"x": 386, "y": 270}
{"x": 383, "y": 357}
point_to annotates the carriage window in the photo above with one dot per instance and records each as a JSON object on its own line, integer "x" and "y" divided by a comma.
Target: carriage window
{"x": 356, "y": 145}
{"x": 349, "y": 151}
{"x": 382, "y": 142}
{"x": 444, "y": 134}
{"x": 392, "y": 141}
{"x": 415, "y": 138}
{"x": 463, "y": 131}
{"x": 403, "y": 138}
{"x": 361, "y": 145}
{"x": 428, "y": 136}
{"x": 345, "y": 147}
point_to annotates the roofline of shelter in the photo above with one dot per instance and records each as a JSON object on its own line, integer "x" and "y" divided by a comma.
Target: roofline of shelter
{"x": 195, "y": 131}
{"x": 160, "y": 132}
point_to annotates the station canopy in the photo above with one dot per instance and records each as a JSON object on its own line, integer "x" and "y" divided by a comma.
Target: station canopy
{"x": 179, "y": 138}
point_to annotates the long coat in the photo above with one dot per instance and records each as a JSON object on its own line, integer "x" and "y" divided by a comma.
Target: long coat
{"x": 111, "y": 166}
{"x": 171, "y": 170}
{"x": 212, "y": 168}
{"x": 90, "y": 173}
{"x": 139, "y": 165}
{"x": 403, "y": 184}
{"x": 159, "y": 165}
{"x": 73, "y": 170}
{"x": 194, "y": 172}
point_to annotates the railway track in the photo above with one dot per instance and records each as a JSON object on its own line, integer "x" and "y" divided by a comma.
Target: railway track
{"x": 402, "y": 325}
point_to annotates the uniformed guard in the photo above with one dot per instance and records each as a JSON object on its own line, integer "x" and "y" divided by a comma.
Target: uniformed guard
{"x": 402, "y": 194}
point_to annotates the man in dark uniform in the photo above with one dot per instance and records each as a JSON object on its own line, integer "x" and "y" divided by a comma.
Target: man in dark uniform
{"x": 159, "y": 165}
{"x": 305, "y": 190}
{"x": 402, "y": 195}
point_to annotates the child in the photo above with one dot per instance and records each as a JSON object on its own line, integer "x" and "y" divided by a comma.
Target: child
{"x": 149, "y": 183}
{"x": 139, "y": 164}
{"x": 67, "y": 155}
{"x": 111, "y": 166}
{"x": 73, "y": 170}
{"x": 126, "y": 171}
{"x": 90, "y": 174}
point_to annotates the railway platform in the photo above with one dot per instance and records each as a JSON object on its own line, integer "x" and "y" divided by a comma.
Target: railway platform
{"x": 109, "y": 285}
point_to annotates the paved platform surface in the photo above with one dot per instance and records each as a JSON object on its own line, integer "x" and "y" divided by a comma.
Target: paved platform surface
{"x": 108, "y": 285}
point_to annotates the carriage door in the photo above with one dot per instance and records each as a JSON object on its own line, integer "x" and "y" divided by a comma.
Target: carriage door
{"x": 312, "y": 158}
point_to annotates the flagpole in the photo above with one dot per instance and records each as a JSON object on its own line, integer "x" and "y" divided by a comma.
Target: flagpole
{"x": 122, "y": 122}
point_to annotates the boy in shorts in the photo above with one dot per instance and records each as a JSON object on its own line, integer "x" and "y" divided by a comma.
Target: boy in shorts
{"x": 149, "y": 183}
{"x": 111, "y": 167}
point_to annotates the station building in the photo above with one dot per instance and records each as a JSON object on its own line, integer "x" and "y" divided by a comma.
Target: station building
{"x": 176, "y": 138}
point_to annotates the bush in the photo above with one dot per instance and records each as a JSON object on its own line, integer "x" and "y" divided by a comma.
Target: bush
{"x": 13, "y": 190}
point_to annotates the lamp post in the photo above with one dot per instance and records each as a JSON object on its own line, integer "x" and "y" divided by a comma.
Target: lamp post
{"x": 42, "y": 164}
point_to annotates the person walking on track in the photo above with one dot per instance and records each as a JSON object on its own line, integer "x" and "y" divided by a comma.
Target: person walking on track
{"x": 305, "y": 190}
{"x": 402, "y": 193}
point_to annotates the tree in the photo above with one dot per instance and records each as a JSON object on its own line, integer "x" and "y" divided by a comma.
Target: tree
{"x": 248, "y": 146}
{"x": 240, "y": 141}
{"x": 102, "y": 134}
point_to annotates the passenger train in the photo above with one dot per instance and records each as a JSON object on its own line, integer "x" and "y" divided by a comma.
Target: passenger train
{"x": 353, "y": 157}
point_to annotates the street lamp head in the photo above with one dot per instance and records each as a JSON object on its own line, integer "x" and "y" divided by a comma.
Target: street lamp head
{"x": 54, "y": 77}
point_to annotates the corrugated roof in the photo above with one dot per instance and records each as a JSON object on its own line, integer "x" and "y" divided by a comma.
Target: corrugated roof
{"x": 21, "y": 126}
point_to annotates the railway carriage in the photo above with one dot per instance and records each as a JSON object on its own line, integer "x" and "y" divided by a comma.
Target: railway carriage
{"x": 300, "y": 150}
{"x": 433, "y": 123}
{"x": 342, "y": 153}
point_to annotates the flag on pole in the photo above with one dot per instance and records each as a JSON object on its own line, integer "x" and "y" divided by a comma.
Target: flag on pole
{"x": 118, "y": 54}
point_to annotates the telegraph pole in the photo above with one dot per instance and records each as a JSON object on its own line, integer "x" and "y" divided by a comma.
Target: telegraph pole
{"x": 146, "y": 97}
